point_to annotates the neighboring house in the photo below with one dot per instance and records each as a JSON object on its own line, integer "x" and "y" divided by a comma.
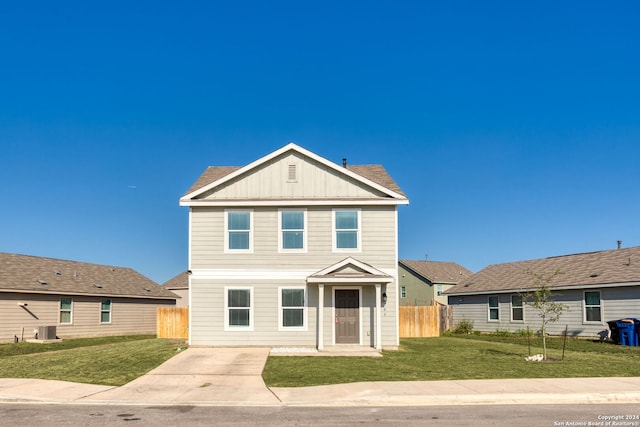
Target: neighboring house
{"x": 597, "y": 287}
{"x": 179, "y": 285}
{"x": 423, "y": 282}
{"x": 294, "y": 250}
{"x": 78, "y": 298}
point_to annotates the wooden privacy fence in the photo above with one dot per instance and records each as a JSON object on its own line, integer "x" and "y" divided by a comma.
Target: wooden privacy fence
{"x": 424, "y": 321}
{"x": 172, "y": 322}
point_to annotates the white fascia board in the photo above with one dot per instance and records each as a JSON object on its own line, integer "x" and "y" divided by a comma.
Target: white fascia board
{"x": 244, "y": 274}
{"x": 344, "y": 280}
{"x": 552, "y": 288}
{"x": 286, "y": 202}
{"x": 291, "y": 146}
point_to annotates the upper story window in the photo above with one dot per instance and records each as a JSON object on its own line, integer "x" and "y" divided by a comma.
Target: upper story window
{"x": 494, "y": 308}
{"x": 592, "y": 306}
{"x": 238, "y": 231}
{"x": 346, "y": 225}
{"x": 293, "y": 237}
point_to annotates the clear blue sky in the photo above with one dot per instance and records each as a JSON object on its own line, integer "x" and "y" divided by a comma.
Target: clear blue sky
{"x": 514, "y": 127}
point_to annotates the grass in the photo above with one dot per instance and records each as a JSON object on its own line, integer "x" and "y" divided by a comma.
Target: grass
{"x": 456, "y": 358}
{"x": 105, "y": 360}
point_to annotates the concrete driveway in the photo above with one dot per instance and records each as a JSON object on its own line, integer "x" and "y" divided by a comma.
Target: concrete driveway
{"x": 230, "y": 376}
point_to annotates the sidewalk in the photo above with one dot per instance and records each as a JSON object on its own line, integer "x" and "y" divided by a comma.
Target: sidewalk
{"x": 232, "y": 377}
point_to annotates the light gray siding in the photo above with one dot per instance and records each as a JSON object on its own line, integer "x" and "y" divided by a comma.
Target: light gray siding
{"x": 271, "y": 180}
{"x": 128, "y": 316}
{"x": 616, "y": 303}
{"x": 207, "y": 241}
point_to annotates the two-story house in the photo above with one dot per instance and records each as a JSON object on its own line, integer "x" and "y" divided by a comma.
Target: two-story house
{"x": 294, "y": 250}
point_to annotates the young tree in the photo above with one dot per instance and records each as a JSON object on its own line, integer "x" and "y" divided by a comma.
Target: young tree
{"x": 541, "y": 300}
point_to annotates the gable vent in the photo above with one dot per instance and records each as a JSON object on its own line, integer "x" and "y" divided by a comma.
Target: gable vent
{"x": 292, "y": 173}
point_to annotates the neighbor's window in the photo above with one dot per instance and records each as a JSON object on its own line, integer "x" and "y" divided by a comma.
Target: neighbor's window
{"x": 403, "y": 292}
{"x": 592, "y": 307}
{"x": 238, "y": 231}
{"x": 292, "y": 308}
{"x": 105, "y": 311}
{"x": 494, "y": 310}
{"x": 346, "y": 226}
{"x": 517, "y": 312}
{"x": 66, "y": 311}
{"x": 292, "y": 235}
{"x": 238, "y": 308}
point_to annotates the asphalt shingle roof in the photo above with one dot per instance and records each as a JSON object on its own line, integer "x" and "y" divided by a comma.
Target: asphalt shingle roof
{"x": 618, "y": 266}
{"x": 179, "y": 281}
{"x": 438, "y": 271}
{"x": 31, "y": 274}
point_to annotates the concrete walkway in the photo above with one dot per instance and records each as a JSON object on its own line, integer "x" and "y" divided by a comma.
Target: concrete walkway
{"x": 230, "y": 377}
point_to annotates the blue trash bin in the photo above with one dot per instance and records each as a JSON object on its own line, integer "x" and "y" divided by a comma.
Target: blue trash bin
{"x": 627, "y": 332}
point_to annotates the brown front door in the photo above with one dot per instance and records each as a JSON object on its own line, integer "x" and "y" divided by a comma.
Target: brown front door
{"x": 347, "y": 316}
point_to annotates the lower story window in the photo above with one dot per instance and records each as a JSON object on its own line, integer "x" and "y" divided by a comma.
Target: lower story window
{"x": 66, "y": 311}
{"x": 292, "y": 308}
{"x": 517, "y": 313}
{"x": 592, "y": 307}
{"x": 105, "y": 311}
{"x": 494, "y": 308}
{"x": 238, "y": 308}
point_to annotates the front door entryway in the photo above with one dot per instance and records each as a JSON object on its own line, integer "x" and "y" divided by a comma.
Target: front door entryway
{"x": 347, "y": 306}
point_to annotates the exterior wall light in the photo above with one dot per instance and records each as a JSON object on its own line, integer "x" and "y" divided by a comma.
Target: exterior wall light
{"x": 384, "y": 298}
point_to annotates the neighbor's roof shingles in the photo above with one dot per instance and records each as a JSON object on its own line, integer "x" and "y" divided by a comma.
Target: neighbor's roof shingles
{"x": 586, "y": 269}
{"x": 25, "y": 273}
{"x": 438, "y": 271}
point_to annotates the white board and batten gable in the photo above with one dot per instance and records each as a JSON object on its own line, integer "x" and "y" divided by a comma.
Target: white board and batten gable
{"x": 297, "y": 177}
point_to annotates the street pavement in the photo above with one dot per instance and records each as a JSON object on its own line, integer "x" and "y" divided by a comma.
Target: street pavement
{"x": 232, "y": 377}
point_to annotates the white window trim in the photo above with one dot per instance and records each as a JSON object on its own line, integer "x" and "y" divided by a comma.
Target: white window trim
{"x": 228, "y": 327}
{"x": 584, "y": 308}
{"x": 281, "y": 249}
{"x": 104, "y": 311}
{"x": 304, "y": 326}
{"x": 226, "y": 232}
{"x": 489, "y": 308}
{"x": 334, "y": 230}
{"x": 512, "y": 307}
{"x": 70, "y": 311}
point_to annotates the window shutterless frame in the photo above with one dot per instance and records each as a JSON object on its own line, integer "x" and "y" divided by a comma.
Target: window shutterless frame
{"x": 347, "y": 230}
{"x": 238, "y": 231}
{"x": 238, "y": 308}
{"x": 105, "y": 311}
{"x": 493, "y": 302}
{"x": 592, "y": 307}
{"x": 517, "y": 308}
{"x": 66, "y": 311}
{"x": 292, "y": 308}
{"x": 292, "y": 230}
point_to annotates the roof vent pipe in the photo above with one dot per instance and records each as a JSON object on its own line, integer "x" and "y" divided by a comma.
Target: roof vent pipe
{"x": 619, "y": 244}
{"x": 344, "y": 162}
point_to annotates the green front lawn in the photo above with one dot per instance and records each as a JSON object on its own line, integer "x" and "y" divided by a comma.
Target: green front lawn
{"x": 106, "y": 360}
{"x": 457, "y": 358}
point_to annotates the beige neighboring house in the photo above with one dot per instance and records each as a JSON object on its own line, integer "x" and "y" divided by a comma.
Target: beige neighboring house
{"x": 77, "y": 299}
{"x": 596, "y": 287}
{"x": 179, "y": 285}
{"x": 423, "y": 282}
{"x": 293, "y": 250}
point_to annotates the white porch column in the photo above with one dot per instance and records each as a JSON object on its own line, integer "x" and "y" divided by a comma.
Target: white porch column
{"x": 320, "y": 325}
{"x": 378, "y": 316}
